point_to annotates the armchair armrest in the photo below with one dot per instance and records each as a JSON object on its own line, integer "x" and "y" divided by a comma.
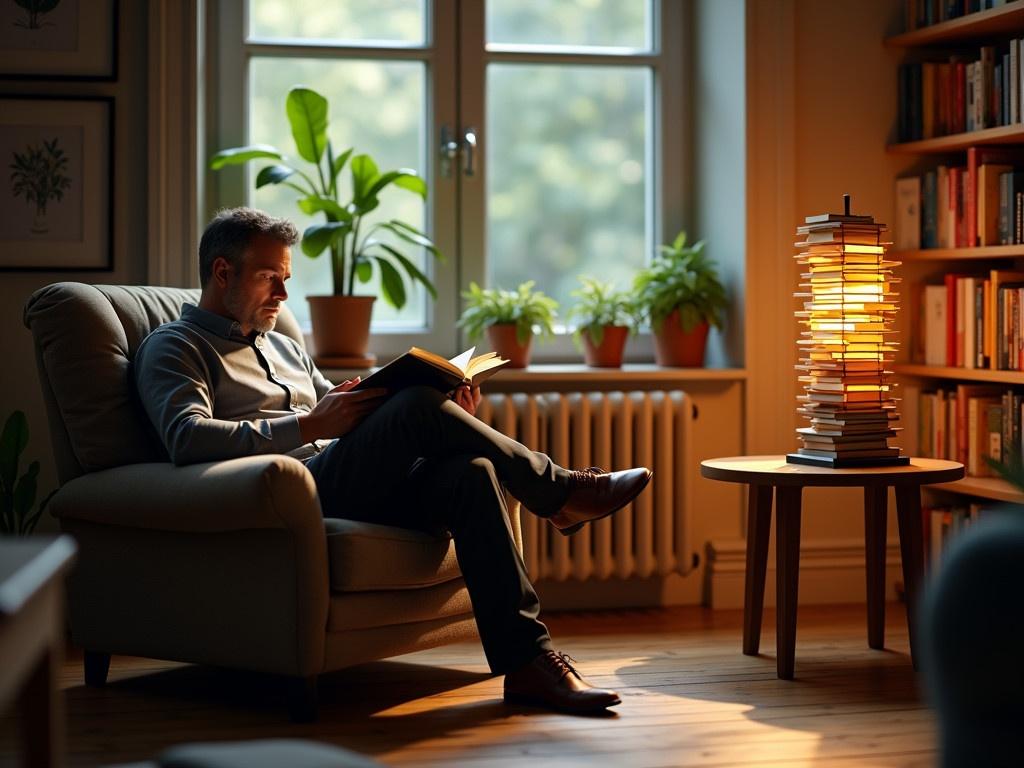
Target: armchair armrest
{"x": 271, "y": 491}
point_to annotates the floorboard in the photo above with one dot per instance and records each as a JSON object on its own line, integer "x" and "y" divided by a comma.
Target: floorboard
{"x": 690, "y": 698}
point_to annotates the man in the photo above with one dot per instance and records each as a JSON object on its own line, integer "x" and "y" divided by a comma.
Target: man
{"x": 219, "y": 383}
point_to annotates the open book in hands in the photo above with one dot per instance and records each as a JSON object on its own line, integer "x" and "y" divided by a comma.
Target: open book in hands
{"x": 418, "y": 366}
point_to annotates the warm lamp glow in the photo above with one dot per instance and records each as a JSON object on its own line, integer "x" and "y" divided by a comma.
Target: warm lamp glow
{"x": 848, "y": 310}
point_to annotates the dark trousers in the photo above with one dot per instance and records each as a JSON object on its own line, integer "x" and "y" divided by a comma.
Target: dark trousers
{"x": 420, "y": 461}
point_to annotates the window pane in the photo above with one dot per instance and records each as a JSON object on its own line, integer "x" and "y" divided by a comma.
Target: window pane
{"x": 577, "y": 24}
{"x": 568, "y": 180}
{"x": 382, "y": 22}
{"x": 376, "y": 107}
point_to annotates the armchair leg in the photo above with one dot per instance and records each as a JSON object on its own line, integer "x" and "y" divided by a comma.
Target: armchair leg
{"x": 302, "y": 706}
{"x": 97, "y": 665}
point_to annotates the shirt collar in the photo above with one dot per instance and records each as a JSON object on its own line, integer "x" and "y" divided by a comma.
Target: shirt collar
{"x": 214, "y": 323}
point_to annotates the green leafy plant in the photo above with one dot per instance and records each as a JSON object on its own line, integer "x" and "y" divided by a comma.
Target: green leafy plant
{"x": 38, "y": 174}
{"x": 18, "y": 494}
{"x": 355, "y": 246}
{"x": 681, "y": 277}
{"x": 600, "y": 305}
{"x": 531, "y": 311}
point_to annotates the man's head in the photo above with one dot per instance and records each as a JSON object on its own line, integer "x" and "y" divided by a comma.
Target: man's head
{"x": 244, "y": 260}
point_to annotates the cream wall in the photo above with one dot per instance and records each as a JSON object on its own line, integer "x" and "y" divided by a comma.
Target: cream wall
{"x": 19, "y": 384}
{"x": 821, "y": 104}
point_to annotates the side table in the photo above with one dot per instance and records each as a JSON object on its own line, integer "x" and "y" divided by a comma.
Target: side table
{"x": 763, "y": 474}
{"x": 32, "y": 640}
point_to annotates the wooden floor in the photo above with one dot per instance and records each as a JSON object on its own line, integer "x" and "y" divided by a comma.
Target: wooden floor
{"x": 690, "y": 698}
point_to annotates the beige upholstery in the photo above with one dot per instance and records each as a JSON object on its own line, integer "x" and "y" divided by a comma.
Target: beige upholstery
{"x": 228, "y": 563}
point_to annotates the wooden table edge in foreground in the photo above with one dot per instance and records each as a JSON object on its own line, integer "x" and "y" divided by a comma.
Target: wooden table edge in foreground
{"x": 763, "y": 474}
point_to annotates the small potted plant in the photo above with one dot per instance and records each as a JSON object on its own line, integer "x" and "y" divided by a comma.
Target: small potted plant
{"x": 18, "y": 493}
{"x": 510, "y": 319}
{"x": 681, "y": 296}
{"x": 605, "y": 317}
{"x": 341, "y": 323}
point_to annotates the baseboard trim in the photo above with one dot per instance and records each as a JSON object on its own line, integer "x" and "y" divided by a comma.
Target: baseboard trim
{"x": 831, "y": 572}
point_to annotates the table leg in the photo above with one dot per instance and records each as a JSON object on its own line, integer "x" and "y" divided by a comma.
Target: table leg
{"x": 875, "y": 509}
{"x": 41, "y": 726}
{"x": 787, "y": 576}
{"x": 908, "y": 510}
{"x": 759, "y": 524}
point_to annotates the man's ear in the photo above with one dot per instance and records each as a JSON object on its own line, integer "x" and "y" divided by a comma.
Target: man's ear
{"x": 221, "y": 272}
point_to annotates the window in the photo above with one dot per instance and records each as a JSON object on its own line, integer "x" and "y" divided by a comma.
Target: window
{"x": 550, "y": 133}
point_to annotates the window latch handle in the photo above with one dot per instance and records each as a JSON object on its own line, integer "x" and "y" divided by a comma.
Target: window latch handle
{"x": 450, "y": 147}
{"x": 469, "y": 144}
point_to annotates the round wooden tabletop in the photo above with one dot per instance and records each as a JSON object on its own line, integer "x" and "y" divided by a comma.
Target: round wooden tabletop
{"x": 773, "y": 470}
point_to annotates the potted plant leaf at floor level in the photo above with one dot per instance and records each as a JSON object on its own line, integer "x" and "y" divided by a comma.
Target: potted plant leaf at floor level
{"x": 509, "y": 318}
{"x": 682, "y": 297}
{"x": 18, "y": 493}
{"x": 357, "y": 247}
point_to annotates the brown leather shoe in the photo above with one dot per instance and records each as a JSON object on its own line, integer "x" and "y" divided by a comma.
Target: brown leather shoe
{"x": 551, "y": 681}
{"x": 594, "y": 493}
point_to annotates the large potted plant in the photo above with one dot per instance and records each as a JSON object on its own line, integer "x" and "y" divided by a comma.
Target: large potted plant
{"x": 509, "y": 318}
{"x": 681, "y": 296}
{"x": 18, "y": 492}
{"x": 604, "y": 319}
{"x": 341, "y": 322}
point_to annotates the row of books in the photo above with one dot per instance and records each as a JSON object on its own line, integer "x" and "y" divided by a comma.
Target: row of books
{"x": 924, "y": 13}
{"x": 970, "y": 423}
{"x": 972, "y": 321}
{"x": 942, "y": 524}
{"x": 978, "y": 204}
{"x": 962, "y": 94}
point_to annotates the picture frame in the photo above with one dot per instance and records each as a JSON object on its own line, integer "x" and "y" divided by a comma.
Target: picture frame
{"x": 58, "y": 40}
{"x": 57, "y": 188}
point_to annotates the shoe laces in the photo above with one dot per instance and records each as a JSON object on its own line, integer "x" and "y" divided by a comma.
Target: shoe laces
{"x": 562, "y": 663}
{"x": 584, "y": 477}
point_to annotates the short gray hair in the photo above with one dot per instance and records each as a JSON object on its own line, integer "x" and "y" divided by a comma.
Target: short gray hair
{"x": 232, "y": 230}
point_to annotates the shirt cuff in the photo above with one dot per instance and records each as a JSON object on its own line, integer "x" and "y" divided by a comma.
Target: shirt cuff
{"x": 287, "y": 436}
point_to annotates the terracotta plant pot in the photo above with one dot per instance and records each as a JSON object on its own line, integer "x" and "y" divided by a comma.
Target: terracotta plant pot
{"x": 676, "y": 348}
{"x": 341, "y": 324}
{"x": 609, "y": 353}
{"x": 503, "y": 341}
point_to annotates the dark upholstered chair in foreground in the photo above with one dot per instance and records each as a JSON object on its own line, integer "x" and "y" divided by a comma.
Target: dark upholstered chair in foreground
{"x": 228, "y": 563}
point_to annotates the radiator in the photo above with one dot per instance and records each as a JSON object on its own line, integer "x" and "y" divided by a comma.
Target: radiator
{"x": 612, "y": 430}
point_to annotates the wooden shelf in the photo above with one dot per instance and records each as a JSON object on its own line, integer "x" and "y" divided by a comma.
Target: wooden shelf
{"x": 960, "y": 254}
{"x": 995, "y": 22}
{"x": 1003, "y": 134}
{"x": 993, "y": 488}
{"x": 963, "y": 374}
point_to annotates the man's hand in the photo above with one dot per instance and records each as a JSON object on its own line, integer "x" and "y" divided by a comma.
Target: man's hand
{"x": 467, "y": 398}
{"x": 340, "y": 411}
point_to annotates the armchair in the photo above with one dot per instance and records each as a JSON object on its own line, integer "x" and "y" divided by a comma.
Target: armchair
{"x": 227, "y": 563}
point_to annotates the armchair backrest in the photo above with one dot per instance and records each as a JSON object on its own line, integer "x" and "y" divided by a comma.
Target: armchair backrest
{"x": 86, "y": 337}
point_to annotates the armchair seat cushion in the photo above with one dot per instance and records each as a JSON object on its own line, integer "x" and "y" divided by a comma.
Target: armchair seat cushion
{"x": 365, "y": 557}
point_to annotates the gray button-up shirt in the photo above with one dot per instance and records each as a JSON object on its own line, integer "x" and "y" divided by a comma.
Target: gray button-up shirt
{"x": 214, "y": 393}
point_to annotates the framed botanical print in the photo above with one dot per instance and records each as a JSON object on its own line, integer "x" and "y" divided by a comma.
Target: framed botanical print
{"x": 58, "y": 39}
{"x": 56, "y": 190}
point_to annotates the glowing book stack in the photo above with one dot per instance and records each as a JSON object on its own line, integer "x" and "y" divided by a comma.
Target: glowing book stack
{"x": 849, "y": 307}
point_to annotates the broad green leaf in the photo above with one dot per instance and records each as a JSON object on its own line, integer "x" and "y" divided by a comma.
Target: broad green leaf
{"x": 391, "y": 283}
{"x": 240, "y": 155}
{"x": 25, "y": 491}
{"x": 318, "y": 237}
{"x": 411, "y": 269}
{"x": 364, "y": 174}
{"x": 273, "y": 174}
{"x": 364, "y": 270}
{"x": 307, "y": 114}
{"x": 405, "y": 179}
{"x": 12, "y": 442}
{"x": 338, "y": 163}
{"x": 315, "y": 203}
{"x": 412, "y": 236}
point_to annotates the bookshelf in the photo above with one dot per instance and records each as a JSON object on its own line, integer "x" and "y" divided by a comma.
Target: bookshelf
{"x": 963, "y": 35}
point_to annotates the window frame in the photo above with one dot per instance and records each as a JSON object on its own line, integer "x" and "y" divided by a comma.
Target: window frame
{"x": 455, "y": 57}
